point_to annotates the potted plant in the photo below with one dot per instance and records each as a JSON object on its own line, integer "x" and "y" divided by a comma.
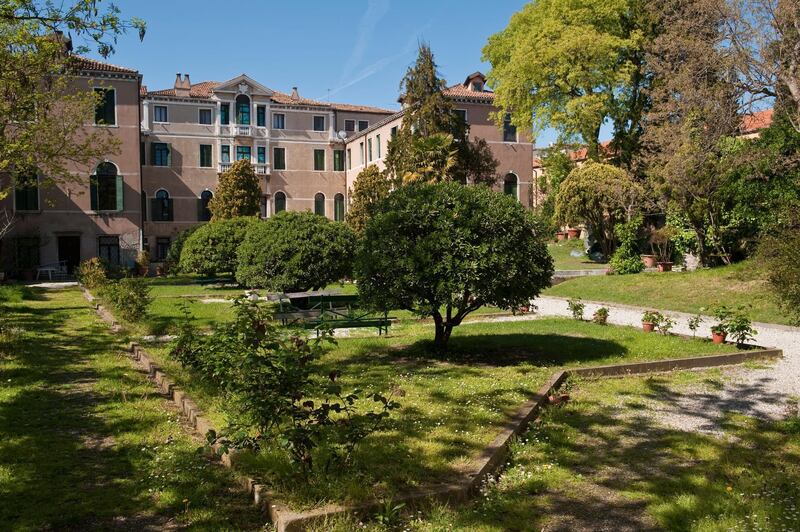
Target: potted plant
{"x": 649, "y": 261}
{"x": 600, "y": 316}
{"x": 661, "y": 242}
{"x": 735, "y": 323}
{"x": 573, "y": 232}
{"x": 650, "y": 319}
{"x": 143, "y": 262}
{"x": 718, "y": 333}
{"x": 561, "y": 235}
{"x": 576, "y": 308}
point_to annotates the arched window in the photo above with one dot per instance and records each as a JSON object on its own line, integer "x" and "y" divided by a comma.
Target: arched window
{"x": 243, "y": 110}
{"x": 319, "y": 204}
{"x": 161, "y": 206}
{"x": 338, "y": 207}
{"x": 106, "y": 188}
{"x": 280, "y": 202}
{"x": 205, "y": 213}
{"x": 510, "y": 185}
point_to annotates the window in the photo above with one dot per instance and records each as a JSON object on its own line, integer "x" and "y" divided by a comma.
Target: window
{"x": 204, "y": 213}
{"x": 349, "y": 159}
{"x": 394, "y": 132}
{"x": 510, "y": 185}
{"x": 378, "y": 146}
{"x": 509, "y": 130}
{"x": 204, "y": 116}
{"x": 105, "y": 107}
{"x": 369, "y": 150}
{"x": 261, "y": 116}
{"x": 319, "y": 204}
{"x": 361, "y": 152}
{"x": 279, "y": 158}
{"x": 225, "y": 114}
{"x": 338, "y": 160}
{"x": 242, "y": 152}
{"x": 27, "y": 252}
{"x": 280, "y": 202}
{"x": 349, "y": 125}
{"x": 243, "y": 110}
{"x": 362, "y": 125}
{"x": 161, "y": 207}
{"x": 162, "y": 247}
{"x": 160, "y": 113}
{"x": 278, "y": 121}
{"x": 477, "y": 86}
{"x": 338, "y": 207}
{"x": 108, "y": 248}
{"x": 319, "y": 123}
{"x": 205, "y": 155}
{"x": 105, "y": 188}
{"x": 461, "y": 113}
{"x": 225, "y": 156}
{"x": 262, "y": 155}
{"x": 161, "y": 154}
{"x": 26, "y": 193}
{"x": 319, "y": 160}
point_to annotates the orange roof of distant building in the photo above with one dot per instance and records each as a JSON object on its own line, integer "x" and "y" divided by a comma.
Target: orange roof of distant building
{"x": 756, "y": 121}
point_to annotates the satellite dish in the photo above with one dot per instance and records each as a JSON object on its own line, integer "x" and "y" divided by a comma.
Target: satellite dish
{"x": 342, "y": 134}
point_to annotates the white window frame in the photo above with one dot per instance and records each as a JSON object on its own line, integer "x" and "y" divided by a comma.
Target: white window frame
{"x": 166, "y": 110}
{"x": 284, "y": 121}
{"x": 210, "y": 110}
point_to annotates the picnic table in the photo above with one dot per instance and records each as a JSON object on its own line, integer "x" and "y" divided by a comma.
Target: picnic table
{"x": 321, "y": 310}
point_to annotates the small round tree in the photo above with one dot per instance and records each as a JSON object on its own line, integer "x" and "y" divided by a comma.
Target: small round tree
{"x": 238, "y": 192}
{"x": 444, "y": 250}
{"x": 211, "y": 248}
{"x": 295, "y": 251}
{"x": 369, "y": 188}
{"x": 600, "y": 196}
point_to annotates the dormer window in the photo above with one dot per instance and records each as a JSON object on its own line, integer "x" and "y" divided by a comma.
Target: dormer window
{"x": 477, "y": 86}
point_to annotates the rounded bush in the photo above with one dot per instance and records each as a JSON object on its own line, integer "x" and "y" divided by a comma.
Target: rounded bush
{"x": 295, "y": 251}
{"x": 211, "y": 248}
{"x": 173, "y": 258}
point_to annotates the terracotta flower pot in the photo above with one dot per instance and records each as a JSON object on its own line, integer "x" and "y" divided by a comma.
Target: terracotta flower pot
{"x": 558, "y": 399}
{"x": 561, "y": 235}
{"x": 573, "y": 233}
{"x": 718, "y": 338}
{"x": 665, "y": 266}
{"x": 160, "y": 271}
{"x": 648, "y": 327}
{"x": 649, "y": 261}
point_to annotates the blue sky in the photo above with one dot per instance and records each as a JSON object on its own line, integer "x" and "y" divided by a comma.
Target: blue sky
{"x": 352, "y": 51}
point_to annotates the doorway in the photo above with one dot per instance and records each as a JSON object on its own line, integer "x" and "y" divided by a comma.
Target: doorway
{"x": 69, "y": 251}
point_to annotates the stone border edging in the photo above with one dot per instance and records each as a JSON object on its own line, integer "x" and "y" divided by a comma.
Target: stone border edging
{"x": 489, "y": 462}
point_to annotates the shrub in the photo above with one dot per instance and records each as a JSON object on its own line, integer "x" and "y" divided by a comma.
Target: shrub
{"x": 129, "y": 297}
{"x": 238, "y": 193}
{"x": 370, "y": 187}
{"x": 694, "y": 323}
{"x": 92, "y": 273}
{"x": 272, "y": 395}
{"x": 735, "y": 323}
{"x": 576, "y": 308}
{"x": 626, "y": 259}
{"x": 780, "y": 256}
{"x": 173, "y": 258}
{"x": 444, "y": 250}
{"x": 600, "y": 316}
{"x": 212, "y": 248}
{"x": 295, "y": 251}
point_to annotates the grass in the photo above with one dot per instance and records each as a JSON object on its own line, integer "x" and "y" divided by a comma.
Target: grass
{"x": 737, "y": 284}
{"x": 563, "y": 259}
{"x": 86, "y": 443}
{"x": 451, "y": 407}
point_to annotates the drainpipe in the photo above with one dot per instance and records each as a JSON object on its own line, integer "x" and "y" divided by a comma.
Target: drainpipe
{"x": 141, "y": 177}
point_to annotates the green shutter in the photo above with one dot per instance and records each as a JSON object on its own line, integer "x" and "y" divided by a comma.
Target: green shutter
{"x": 152, "y": 154}
{"x": 169, "y": 155}
{"x": 200, "y": 210}
{"x": 120, "y": 190}
{"x": 93, "y": 192}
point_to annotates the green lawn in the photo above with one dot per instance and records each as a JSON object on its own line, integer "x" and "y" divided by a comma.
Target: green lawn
{"x": 450, "y": 407}
{"x": 738, "y": 284}
{"x": 86, "y": 442}
{"x": 601, "y": 462}
{"x": 563, "y": 260}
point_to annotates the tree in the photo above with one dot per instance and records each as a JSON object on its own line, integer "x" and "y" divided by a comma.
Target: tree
{"x": 238, "y": 192}
{"x": 370, "y": 187}
{"x": 557, "y": 165}
{"x": 211, "y": 248}
{"x": 573, "y": 65}
{"x": 444, "y": 250}
{"x": 294, "y": 252}
{"x": 433, "y": 143}
{"x": 600, "y": 196}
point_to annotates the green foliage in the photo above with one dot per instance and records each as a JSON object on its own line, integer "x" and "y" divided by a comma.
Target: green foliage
{"x": 267, "y": 376}
{"x": 444, "y": 250}
{"x": 626, "y": 259}
{"x": 129, "y": 297}
{"x": 779, "y": 255}
{"x": 734, "y": 322}
{"x": 92, "y": 273}
{"x": 600, "y": 316}
{"x": 652, "y": 316}
{"x": 370, "y": 187}
{"x": 600, "y": 196}
{"x": 295, "y": 251}
{"x": 173, "y": 257}
{"x": 238, "y": 192}
{"x": 576, "y": 308}
{"x": 211, "y": 248}
{"x": 694, "y": 324}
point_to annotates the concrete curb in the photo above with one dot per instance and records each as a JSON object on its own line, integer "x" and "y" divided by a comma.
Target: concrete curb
{"x": 472, "y": 474}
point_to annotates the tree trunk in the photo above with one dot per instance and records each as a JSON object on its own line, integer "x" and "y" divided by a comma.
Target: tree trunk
{"x": 443, "y": 332}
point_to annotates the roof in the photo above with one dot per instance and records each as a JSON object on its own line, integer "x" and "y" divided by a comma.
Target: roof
{"x": 84, "y": 63}
{"x": 463, "y": 91}
{"x": 756, "y": 121}
{"x": 197, "y": 90}
{"x": 376, "y": 125}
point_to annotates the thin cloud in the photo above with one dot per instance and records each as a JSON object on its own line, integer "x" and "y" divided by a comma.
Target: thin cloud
{"x": 376, "y": 9}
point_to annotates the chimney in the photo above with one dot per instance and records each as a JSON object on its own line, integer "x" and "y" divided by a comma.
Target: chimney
{"x": 295, "y": 94}
{"x": 181, "y": 87}
{"x": 186, "y": 83}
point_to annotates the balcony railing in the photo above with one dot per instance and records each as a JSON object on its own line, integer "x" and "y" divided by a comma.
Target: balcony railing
{"x": 224, "y": 167}
{"x": 241, "y": 130}
{"x": 262, "y": 169}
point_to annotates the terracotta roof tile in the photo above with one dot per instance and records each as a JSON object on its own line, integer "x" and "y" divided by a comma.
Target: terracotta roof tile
{"x": 84, "y": 63}
{"x": 756, "y": 121}
{"x": 197, "y": 90}
{"x": 361, "y": 109}
{"x": 377, "y": 124}
{"x": 460, "y": 91}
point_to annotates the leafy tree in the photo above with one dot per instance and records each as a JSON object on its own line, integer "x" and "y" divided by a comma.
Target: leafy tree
{"x": 573, "y": 65}
{"x": 370, "y": 187}
{"x": 238, "y": 192}
{"x": 557, "y": 165}
{"x": 433, "y": 143}
{"x": 211, "y": 248}
{"x": 295, "y": 251}
{"x": 626, "y": 258}
{"x": 779, "y": 256}
{"x": 173, "y": 258}
{"x": 444, "y": 250}
{"x": 600, "y": 196}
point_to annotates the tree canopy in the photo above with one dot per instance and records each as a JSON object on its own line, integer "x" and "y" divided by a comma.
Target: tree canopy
{"x": 238, "y": 192}
{"x": 370, "y": 187}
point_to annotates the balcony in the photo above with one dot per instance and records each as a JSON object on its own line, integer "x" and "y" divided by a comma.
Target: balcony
{"x": 224, "y": 167}
{"x": 262, "y": 169}
{"x": 242, "y": 130}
